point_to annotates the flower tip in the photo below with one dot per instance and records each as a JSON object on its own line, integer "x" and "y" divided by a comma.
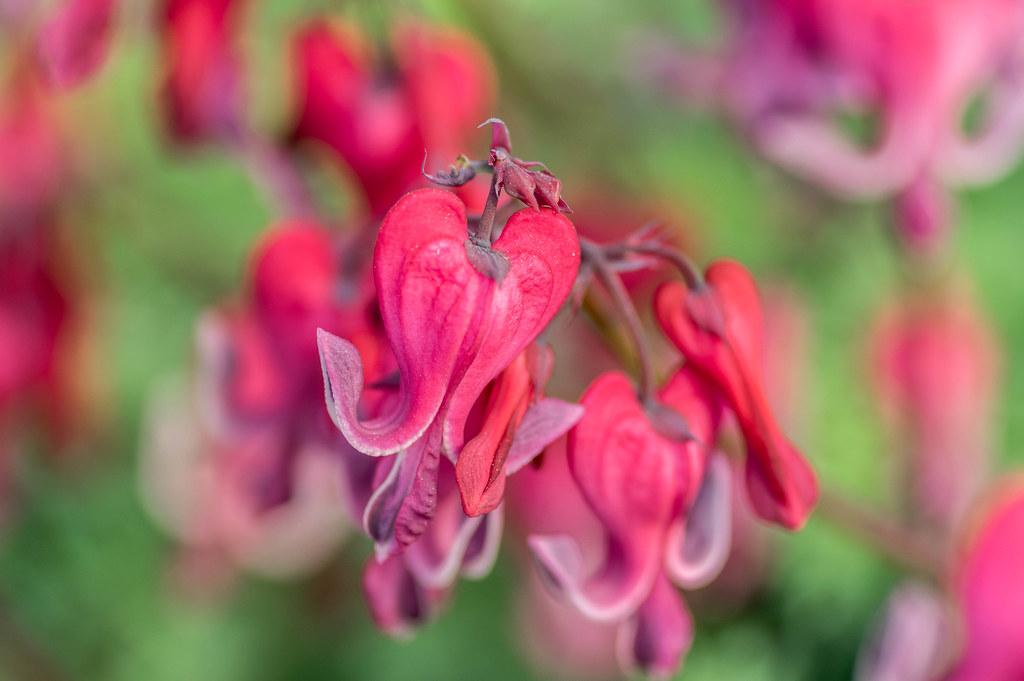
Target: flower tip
{"x": 500, "y": 138}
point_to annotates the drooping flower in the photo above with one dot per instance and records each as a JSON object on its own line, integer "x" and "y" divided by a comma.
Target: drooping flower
{"x": 452, "y": 330}
{"x": 718, "y": 328}
{"x": 272, "y": 486}
{"x": 74, "y": 41}
{"x": 380, "y": 119}
{"x": 32, "y": 155}
{"x": 990, "y": 592}
{"x": 788, "y": 67}
{"x": 935, "y": 366}
{"x": 664, "y": 511}
{"x": 973, "y": 632}
{"x": 201, "y": 90}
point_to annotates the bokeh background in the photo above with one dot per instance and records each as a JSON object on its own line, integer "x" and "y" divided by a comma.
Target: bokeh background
{"x": 160, "y": 234}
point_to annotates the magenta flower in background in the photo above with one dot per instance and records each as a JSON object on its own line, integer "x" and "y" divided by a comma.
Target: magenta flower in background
{"x": 381, "y": 118}
{"x": 936, "y": 363}
{"x": 789, "y": 66}
{"x": 271, "y": 486}
{"x": 75, "y": 39}
{"x": 990, "y": 592}
{"x": 201, "y": 88}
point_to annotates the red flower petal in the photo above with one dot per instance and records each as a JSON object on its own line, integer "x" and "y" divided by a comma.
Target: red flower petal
{"x": 631, "y": 478}
{"x": 75, "y": 40}
{"x": 781, "y": 485}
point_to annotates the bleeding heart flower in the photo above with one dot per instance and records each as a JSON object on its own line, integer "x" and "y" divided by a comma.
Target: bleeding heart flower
{"x": 201, "y": 92}
{"x": 935, "y": 366}
{"x": 74, "y": 41}
{"x": 405, "y": 589}
{"x": 991, "y": 594}
{"x": 718, "y": 328}
{"x": 634, "y": 480}
{"x": 452, "y": 331}
{"x": 379, "y": 120}
{"x": 788, "y": 67}
{"x": 272, "y": 473}
{"x": 651, "y": 495}
{"x": 32, "y": 157}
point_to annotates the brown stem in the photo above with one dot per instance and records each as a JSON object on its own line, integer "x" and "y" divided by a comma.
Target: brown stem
{"x": 899, "y": 543}
{"x": 485, "y": 227}
{"x": 678, "y": 259}
{"x": 613, "y": 284}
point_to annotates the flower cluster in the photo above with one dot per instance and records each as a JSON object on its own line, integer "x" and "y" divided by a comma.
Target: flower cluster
{"x": 388, "y": 372}
{"x": 421, "y": 333}
{"x": 788, "y": 71}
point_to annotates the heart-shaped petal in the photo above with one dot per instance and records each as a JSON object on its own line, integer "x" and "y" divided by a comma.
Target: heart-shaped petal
{"x": 631, "y": 477}
{"x": 452, "y": 330}
{"x": 542, "y": 250}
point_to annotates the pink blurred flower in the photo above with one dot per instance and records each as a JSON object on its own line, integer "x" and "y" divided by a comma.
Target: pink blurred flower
{"x": 75, "y": 39}
{"x": 265, "y": 482}
{"x": 990, "y": 591}
{"x": 379, "y": 119}
{"x": 201, "y": 91}
{"x": 789, "y": 65}
{"x": 935, "y": 365}
{"x": 544, "y": 500}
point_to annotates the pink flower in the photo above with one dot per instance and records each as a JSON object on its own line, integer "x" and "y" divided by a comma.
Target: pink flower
{"x": 272, "y": 487}
{"x": 991, "y": 594}
{"x": 789, "y": 65}
{"x": 644, "y": 478}
{"x": 74, "y": 41}
{"x": 32, "y": 155}
{"x": 380, "y": 120}
{"x": 201, "y": 92}
{"x": 719, "y": 328}
{"x": 935, "y": 363}
{"x": 452, "y": 330}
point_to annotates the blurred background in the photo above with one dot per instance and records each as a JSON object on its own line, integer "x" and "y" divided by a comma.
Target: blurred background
{"x": 152, "y": 234}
